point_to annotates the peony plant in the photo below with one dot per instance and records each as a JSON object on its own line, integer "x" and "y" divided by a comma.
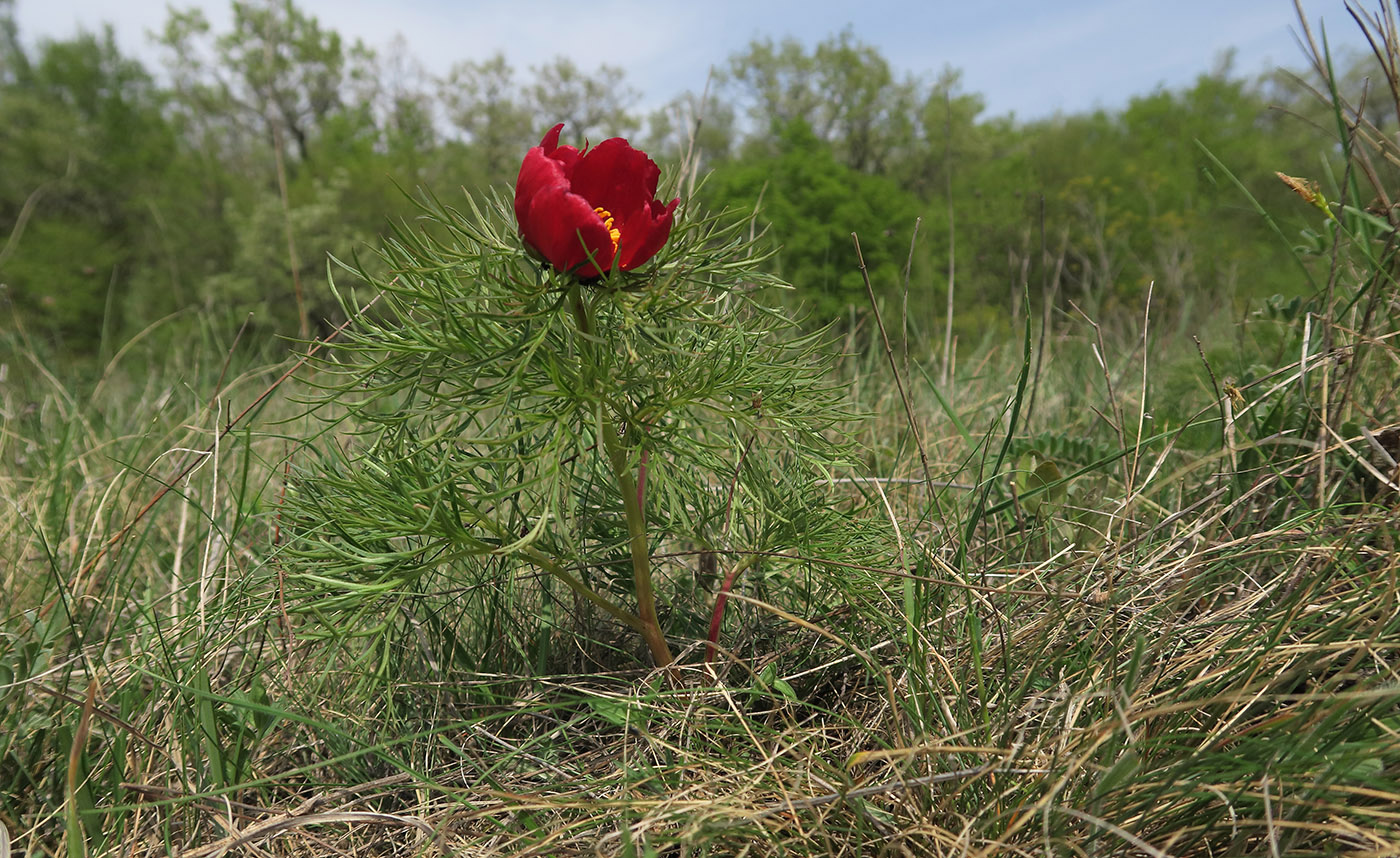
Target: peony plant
{"x": 554, "y": 393}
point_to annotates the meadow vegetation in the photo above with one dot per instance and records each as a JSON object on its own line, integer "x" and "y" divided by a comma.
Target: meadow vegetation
{"x": 1064, "y": 525}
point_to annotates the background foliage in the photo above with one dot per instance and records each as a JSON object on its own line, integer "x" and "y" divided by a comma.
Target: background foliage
{"x": 220, "y": 181}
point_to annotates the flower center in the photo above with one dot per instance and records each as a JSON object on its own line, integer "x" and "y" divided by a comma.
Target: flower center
{"x": 613, "y": 232}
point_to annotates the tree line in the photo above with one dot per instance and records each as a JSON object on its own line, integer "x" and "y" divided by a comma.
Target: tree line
{"x": 216, "y": 187}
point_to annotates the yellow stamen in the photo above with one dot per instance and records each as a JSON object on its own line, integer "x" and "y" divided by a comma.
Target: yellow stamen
{"x": 613, "y": 232}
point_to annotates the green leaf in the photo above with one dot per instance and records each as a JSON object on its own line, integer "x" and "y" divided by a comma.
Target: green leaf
{"x": 1038, "y": 483}
{"x": 615, "y": 712}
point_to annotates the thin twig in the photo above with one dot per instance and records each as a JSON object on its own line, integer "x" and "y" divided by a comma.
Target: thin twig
{"x": 1116, "y": 830}
{"x": 1045, "y": 317}
{"x": 888, "y": 787}
{"x": 952, "y": 236}
{"x": 894, "y": 367}
{"x": 31, "y": 202}
{"x": 904, "y": 305}
{"x": 228, "y": 427}
{"x": 264, "y": 830}
{"x": 1101, "y": 356}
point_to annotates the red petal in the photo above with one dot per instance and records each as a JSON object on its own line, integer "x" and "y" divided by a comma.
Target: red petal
{"x": 644, "y": 233}
{"x": 565, "y": 230}
{"x": 616, "y": 177}
{"x": 537, "y": 172}
{"x": 545, "y": 165}
{"x": 559, "y": 188}
{"x": 566, "y": 155}
{"x": 551, "y": 139}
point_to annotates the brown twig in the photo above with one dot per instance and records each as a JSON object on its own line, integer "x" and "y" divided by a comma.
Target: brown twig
{"x": 263, "y": 830}
{"x": 98, "y": 712}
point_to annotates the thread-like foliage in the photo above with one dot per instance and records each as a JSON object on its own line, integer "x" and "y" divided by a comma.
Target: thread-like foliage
{"x": 507, "y": 416}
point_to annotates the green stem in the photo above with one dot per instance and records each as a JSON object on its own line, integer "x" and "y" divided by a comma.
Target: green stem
{"x": 631, "y": 499}
{"x": 540, "y": 559}
{"x": 582, "y": 589}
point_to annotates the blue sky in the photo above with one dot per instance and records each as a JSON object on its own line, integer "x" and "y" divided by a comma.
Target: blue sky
{"x": 1030, "y": 57}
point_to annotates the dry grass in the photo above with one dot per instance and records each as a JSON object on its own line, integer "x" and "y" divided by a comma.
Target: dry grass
{"x": 1212, "y": 672}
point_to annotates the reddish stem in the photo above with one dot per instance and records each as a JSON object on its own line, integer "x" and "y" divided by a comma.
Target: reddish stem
{"x": 721, "y": 600}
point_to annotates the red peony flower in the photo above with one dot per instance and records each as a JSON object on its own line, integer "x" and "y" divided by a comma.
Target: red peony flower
{"x": 594, "y": 210}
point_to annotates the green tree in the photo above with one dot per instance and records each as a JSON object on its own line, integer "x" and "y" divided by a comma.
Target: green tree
{"x": 1136, "y": 198}
{"x": 700, "y": 127}
{"x": 88, "y": 157}
{"x": 405, "y": 104}
{"x": 14, "y": 63}
{"x": 844, "y": 91}
{"x": 594, "y": 106}
{"x": 263, "y": 103}
{"x": 811, "y": 202}
{"x": 321, "y": 229}
{"x": 485, "y": 103}
{"x": 276, "y": 71}
{"x": 500, "y": 116}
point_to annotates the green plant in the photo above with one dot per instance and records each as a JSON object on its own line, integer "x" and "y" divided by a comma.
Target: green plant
{"x": 514, "y": 420}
